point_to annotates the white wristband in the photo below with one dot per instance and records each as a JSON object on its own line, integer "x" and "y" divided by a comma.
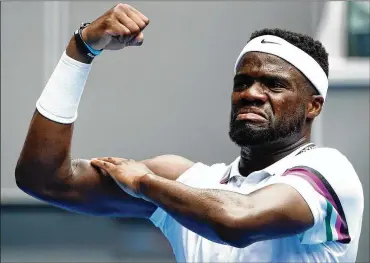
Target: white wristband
{"x": 61, "y": 96}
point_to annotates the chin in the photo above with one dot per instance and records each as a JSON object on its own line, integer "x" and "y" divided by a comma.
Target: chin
{"x": 248, "y": 134}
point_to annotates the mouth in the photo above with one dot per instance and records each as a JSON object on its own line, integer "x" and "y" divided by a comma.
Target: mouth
{"x": 251, "y": 115}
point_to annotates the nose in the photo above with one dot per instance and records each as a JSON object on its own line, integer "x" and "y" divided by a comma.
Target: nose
{"x": 254, "y": 93}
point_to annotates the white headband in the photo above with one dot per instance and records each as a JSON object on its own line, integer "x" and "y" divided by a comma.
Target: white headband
{"x": 295, "y": 56}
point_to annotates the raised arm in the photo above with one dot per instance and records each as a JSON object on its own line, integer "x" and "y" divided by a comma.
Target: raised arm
{"x": 45, "y": 169}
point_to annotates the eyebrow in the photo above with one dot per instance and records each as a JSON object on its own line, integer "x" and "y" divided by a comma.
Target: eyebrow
{"x": 241, "y": 77}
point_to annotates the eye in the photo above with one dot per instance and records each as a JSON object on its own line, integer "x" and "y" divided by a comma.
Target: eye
{"x": 240, "y": 87}
{"x": 275, "y": 85}
{"x": 278, "y": 85}
{"x": 242, "y": 83}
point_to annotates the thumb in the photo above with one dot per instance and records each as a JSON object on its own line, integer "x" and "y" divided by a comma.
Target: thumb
{"x": 138, "y": 40}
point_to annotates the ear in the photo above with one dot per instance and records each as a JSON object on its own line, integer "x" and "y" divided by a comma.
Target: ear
{"x": 314, "y": 106}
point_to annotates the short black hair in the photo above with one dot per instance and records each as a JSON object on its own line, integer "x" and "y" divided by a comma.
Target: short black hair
{"x": 306, "y": 43}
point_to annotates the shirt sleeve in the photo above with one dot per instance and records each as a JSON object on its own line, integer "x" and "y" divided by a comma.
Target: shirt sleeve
{"x": 330, "y": 188}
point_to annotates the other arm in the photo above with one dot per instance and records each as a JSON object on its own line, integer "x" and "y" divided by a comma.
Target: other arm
{"x": 316, "y": 205}
{"x": 231, "y": 218}
{"x": 274, "y": 211}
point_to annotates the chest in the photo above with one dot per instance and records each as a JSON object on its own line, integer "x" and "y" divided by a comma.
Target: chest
{"x": 190, "y": 247}
{"x": 234, "y": 183}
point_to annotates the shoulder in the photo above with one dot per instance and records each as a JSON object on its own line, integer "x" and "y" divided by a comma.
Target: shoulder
{"x": 333, "y": 183}
{"x": 328, "y": 161}
{"x": 203, "y": 175}
{"x": 323, "y": 156}
{"x": 331, "y": 165}
{"x": 332, "y": 173}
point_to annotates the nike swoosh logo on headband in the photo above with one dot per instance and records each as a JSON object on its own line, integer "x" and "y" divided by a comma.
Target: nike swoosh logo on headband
{"x": 265, "y": 42}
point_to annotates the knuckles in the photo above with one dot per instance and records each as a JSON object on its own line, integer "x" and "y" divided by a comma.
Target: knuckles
{"x": 113, "y": 18}
{"x": 119, "y": 8}
{"x": 107, "y": 22}
{"x": 134, "y": 29}
{"x": 118, "y": 21}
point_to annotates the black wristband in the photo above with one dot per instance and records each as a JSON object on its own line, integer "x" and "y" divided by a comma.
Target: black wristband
{"x": 81, "y": 46}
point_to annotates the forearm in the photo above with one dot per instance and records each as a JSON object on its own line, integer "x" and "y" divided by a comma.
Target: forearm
{"x": 209, "y": 213}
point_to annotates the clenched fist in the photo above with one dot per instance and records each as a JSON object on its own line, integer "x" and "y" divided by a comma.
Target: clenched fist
{"x": 119, "y": 27}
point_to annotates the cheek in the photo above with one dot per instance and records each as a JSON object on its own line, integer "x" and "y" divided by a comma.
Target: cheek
{"x": 235, "y": 97}
{"x": 285, "y": 107}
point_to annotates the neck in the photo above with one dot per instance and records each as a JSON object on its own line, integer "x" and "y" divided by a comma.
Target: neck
{"x": 258, "y": 157}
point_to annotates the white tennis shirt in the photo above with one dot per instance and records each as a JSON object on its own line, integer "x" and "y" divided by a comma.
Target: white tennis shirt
{"x": 325, "y": 179}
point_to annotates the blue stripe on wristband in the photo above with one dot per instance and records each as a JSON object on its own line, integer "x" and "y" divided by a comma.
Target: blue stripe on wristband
{"x": 93, "y": 51}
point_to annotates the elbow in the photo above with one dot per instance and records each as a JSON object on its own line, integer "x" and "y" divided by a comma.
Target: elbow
{"x": 22, "y": 177}
{"x": 32, "y": 180}
{"x": 44, "y": 192}
{"x": 233, "y": 232}
{"x": 25, "y": 181}
{"x": 26, "y": 187}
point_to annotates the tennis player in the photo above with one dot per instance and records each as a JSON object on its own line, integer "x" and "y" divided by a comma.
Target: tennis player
{"x": 282, "y": 200}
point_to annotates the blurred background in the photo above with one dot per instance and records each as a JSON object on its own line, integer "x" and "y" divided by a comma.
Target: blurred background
{"x": 172, "y": 95}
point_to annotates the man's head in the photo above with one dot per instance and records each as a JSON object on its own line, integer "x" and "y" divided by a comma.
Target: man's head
{"x": 272, "y": 99}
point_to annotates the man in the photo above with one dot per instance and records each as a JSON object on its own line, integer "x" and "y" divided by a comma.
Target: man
{"x": 282, "y": 200}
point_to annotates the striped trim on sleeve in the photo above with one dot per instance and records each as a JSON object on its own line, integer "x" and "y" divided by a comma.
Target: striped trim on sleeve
{"x": 335, "y": 220}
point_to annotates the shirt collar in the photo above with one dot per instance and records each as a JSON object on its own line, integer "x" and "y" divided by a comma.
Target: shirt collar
{"x": 233, "y": 169}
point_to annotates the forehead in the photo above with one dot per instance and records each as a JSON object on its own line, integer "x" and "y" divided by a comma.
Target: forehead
{"x": 259, "y": 64}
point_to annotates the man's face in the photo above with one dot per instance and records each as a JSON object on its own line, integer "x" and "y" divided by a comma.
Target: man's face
{"x": 268, "y": 100}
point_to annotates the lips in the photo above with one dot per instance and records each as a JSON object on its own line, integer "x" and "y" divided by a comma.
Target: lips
{"x": 251, "y": 113}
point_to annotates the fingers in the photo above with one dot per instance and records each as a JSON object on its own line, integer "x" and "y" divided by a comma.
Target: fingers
{"x": 118, "y": 30}
{"x": 130, "y": 19}
{"x": 144, "y": 18}
{"x": 129, "y": 23}
{"x": 138, "y": 40}
{"x": 136, "y": 19}
{"x": 114, "y": 160}
{"x": 107, "y": 166}
{"x": 119, "y": 27}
